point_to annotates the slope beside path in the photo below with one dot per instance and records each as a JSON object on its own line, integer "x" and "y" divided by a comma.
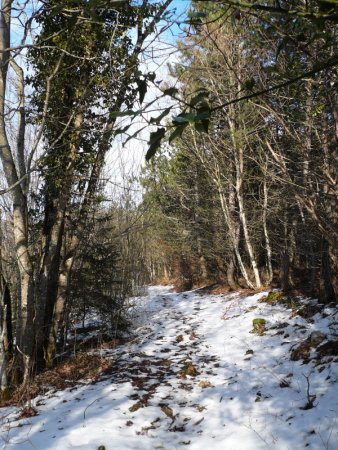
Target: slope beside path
{"x": 199, "y": 373}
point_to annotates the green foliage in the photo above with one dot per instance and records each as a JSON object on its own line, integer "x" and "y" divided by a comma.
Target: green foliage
{"x": 177, "y": 199}
{"x": 274, "y": 297}
{"x": 142, "y": 88}
{"x": 96, "y": 280}
{"x": 157, "y": 120}
{"x": 85, "y": 70}
{"x": 155, "y": 142}
{"x": 172, "y": 91}
{"x": 198, "y": 115}
{"x": 200, "y": 118}
{"x": 178, "y": 131}
{"x": 232, "y": 52}
{"x": 259, "y": 326}
{"x": 136, "y": 406}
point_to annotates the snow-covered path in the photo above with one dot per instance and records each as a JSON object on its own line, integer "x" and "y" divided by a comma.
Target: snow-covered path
{"x": 196, "y": 377}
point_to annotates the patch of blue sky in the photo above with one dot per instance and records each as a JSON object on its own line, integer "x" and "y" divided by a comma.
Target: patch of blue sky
{"x": 180, "y": 8}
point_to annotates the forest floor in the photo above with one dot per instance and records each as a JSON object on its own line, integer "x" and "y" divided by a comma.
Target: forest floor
{"x": 198, "y": 375}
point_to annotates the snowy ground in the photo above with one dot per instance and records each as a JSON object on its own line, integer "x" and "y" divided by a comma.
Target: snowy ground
{"x": 196, "y": 377}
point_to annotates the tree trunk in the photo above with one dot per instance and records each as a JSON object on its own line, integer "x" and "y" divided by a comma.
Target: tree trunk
{"x": 57, "y": 288}
{"x": 327, "y": 291}
{"x": 25, "y": 336}
{"x": 231, "y": 275}
{"x": 58, "y": 313}
{"x": 3, "y": 339}
{"x": 58, "y": 194}
{"x": 7, "y": 303}
{"x": 234, "y": 237}
{"x": 284, "y": 274}
{"x": 239, "y": 169}
{"x": 202, "y": 262}
{"x": 284, "y": 271}
{"x": 48, "y": 282}
{"x": 266, "y": 233}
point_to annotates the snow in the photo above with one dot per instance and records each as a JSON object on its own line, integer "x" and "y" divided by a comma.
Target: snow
{"x": 246, "y": 394}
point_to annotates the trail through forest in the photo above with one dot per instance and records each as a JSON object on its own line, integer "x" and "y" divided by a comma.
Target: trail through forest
{"x": 201, "y": 372}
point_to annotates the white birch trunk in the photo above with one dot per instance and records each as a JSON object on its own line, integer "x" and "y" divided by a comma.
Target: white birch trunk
{"x": 234, "y": 241}
{"x": 239, "y": 165}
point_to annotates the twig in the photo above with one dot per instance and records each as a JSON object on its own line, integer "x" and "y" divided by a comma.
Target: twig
{"x": 90, "y": 404}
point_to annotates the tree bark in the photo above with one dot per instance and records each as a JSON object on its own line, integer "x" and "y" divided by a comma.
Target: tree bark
{"x": 327, "y": 291}
{"x": 25, "y": 334}
{"x": 266, "y": 233}
{"x": 284, "y": 274}
{"x": 239, "y": 168}
{"x": 58, "y": 313}
{"x": 231, "y": 274}
{"x": 234, "y": 238}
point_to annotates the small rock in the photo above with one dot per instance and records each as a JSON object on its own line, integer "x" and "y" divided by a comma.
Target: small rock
{"x": 136, "y": 406}
{"x": 258, "y": 326}
{"x": 167, "y": 411}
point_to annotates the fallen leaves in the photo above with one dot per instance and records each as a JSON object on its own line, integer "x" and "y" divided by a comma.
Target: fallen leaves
{"x": 189, "y": 370}
{"x": 28, "y": 411}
